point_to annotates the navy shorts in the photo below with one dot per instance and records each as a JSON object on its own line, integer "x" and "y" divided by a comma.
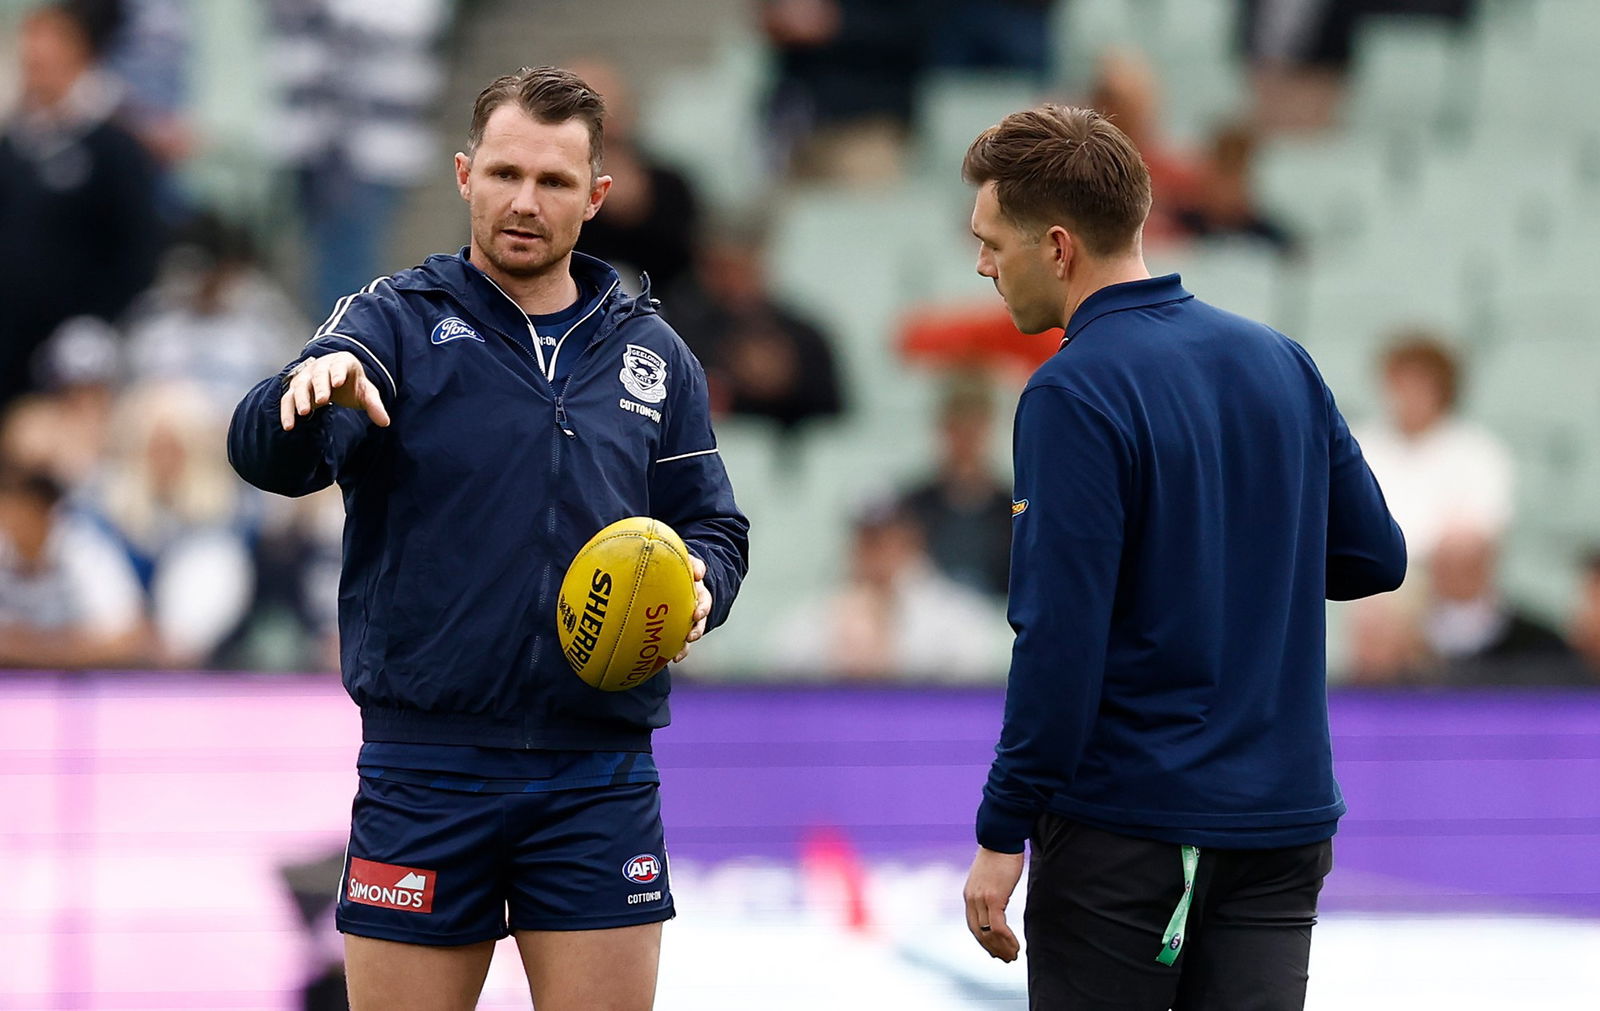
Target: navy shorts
{"x": 445, "y": 867}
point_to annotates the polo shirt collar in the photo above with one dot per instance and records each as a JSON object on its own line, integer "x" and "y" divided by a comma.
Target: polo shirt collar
{"x": 1112, "y": 298}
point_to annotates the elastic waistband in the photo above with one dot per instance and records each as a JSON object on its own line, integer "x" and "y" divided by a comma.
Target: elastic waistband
{"x": 413, "y": 726}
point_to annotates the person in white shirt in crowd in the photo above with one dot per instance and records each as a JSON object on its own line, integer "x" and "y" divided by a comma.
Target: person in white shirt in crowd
{"x": 169, "y": 498}
{"x": 1439, "y": 471}
{"x": 68, "y": 596}
{"x": 1443, "y": 476}
{"x": 896, "y": 617}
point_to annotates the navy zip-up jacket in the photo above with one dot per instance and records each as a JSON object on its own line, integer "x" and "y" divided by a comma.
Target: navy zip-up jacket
{"x": 463, "y": 514}
{"x": 1187, "y": 494}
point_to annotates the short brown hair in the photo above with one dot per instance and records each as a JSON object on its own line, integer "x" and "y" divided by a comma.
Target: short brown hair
{"x": 550, "y": 95}
{"x": 1425, "y": 350}
{"x": 1059, "y": 164}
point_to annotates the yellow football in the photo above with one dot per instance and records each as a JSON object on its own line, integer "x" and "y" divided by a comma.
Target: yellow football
{"x": 627, "y": 604}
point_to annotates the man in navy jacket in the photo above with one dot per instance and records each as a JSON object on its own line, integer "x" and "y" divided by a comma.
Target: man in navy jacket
{"x": 1187, "y": 494}
{"x": 485, "y": 414}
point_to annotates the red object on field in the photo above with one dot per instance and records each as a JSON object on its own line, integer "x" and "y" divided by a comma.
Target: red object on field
{"x": 964, "y": 334}
{"x": 831, "y": 863}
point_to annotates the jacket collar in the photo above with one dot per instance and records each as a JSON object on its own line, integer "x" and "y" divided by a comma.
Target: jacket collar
{"x": 1127, "y": 295}
{"x": 458, "y": 275}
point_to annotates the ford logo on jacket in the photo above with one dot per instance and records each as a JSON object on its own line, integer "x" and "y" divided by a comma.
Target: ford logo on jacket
{"x": 462, "y": 515}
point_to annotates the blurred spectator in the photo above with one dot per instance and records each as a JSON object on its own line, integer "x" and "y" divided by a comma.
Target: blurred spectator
{"x": 1439, "y": 472}
{"x": 993, "y": 35}
{"x": 1222, "y": 202}
{"x": 847, "y": 73}
{"x": 171, "y": 501}
{"x": 68, "y": 597}
{"x": 78, "y": 228}
{"x": 292, "y": 619}
{"x": 650, "y": 220}
{"x": 762, "y": 359}
{"x": 1126, "y": 90}
{"x": 148, "y": 51}
{"x": 964, "y": 507}
{"x": 356, "y": 81}
{"x": 64, "y": 430}
{"x": 1456, "y": 11}
{"x": 1478, "y": 637}
{"x": 214, "y": 318}
{"x": 1385, "y": 643}
{"x": 1442, "y": 476}
{"x": 1584, "y": 633}
{"x": 1299, "y": 53}
{"x": 896, "y": 617}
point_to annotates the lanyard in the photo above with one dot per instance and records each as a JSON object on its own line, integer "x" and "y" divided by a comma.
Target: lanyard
{"x": 1172, "y": 940}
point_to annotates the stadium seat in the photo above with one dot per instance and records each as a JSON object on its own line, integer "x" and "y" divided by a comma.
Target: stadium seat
{"x": 1083, "y": 28}
{"x": 1239, "y": 276}
{"x": 1199, "y": 95}
{"x": 1198, "y": 30}
{"x": 1548, "y": 305}
{"x": 708, "y": 121}
{"x": 229, "y": 82}
{"x": 1332, "y": 191}
{"x": 1352, "y": 308}
{"x": 952, "y": 109}
{"x": 1409, "y": 74}
{"x": 1543, "y": 396}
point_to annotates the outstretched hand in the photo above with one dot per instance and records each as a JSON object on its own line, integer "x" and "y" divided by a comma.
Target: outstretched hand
{"x": 330, "y": 379}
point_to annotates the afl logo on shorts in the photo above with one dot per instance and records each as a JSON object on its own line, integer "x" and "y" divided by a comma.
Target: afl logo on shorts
{"x": 642, "y": 869}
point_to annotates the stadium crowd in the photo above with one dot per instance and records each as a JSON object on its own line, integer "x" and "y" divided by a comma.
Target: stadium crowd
{"x": 133, "y": 315}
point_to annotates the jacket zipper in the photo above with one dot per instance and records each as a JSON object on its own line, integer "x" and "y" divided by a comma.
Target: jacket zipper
{"x": 565, "y": 425}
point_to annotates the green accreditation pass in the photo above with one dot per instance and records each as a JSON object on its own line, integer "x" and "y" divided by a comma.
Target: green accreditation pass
{"x": 1172, "y": 940}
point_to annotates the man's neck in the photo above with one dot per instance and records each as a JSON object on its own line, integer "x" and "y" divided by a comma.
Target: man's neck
{"x": 1102, "y": 274}
{"x": 550, "y": 290}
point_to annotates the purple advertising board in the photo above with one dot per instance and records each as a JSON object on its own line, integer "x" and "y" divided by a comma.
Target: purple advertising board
{"x": 1457, "y": 801}
{"x": 145, "y": 818}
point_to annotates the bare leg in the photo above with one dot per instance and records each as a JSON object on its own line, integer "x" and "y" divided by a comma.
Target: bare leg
{"x": 389, "y": 976}
{"x": 592, "y": 970}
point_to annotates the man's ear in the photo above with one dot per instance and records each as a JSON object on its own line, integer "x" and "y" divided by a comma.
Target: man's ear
{"x": 597, "y": 196}
{"x": 464, "y": 175}
{"x": 1062, "y": 248}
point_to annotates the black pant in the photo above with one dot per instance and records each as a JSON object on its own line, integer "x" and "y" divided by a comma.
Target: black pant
{"x": 1098, "y": 904}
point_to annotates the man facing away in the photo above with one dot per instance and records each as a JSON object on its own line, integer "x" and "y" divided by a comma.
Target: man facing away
{"x": 1186, "y": 495}
{"x": 485, "y": 414}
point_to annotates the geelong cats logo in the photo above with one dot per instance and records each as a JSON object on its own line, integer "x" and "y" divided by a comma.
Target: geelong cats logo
{"x": 644, "y": 374}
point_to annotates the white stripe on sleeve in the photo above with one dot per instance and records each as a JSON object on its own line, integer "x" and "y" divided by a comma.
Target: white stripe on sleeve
{"x": 685, "y": 456}
{"x": 394, "y": 391}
